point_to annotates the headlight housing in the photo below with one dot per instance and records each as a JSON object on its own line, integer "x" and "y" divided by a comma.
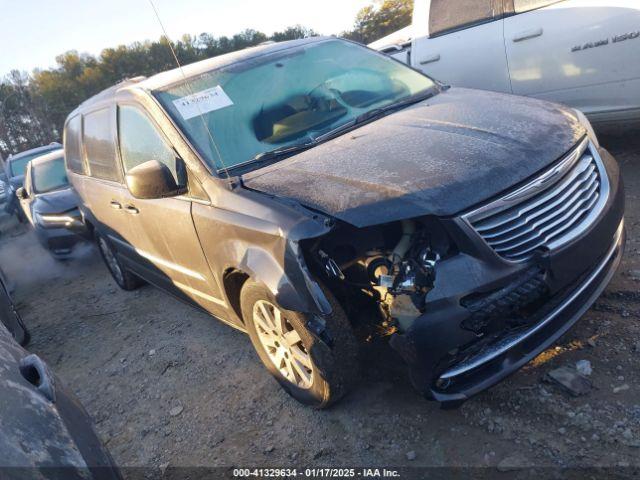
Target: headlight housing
{"x": 59, "y": 220}
{"x": 584, "y": 121}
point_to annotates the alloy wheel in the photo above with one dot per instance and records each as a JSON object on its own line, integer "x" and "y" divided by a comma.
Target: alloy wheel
{"x": 283, "y": 344}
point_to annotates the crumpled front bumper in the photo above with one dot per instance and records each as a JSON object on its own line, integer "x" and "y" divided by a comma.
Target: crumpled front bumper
{"x": 450, "y": 364}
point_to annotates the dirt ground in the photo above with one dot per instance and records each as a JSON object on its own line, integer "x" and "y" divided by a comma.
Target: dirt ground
{"x": 169, "y": 386}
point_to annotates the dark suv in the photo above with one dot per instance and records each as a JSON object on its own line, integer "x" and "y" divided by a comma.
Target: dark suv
{"x": 307, "y": 190}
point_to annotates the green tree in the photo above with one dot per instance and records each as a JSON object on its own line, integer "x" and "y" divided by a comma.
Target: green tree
{"x": 382, "y": 18}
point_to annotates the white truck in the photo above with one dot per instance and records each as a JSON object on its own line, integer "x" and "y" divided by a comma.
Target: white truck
{"x": 583, "y": 53}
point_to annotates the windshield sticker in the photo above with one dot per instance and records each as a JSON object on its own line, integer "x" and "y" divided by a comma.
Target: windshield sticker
{"x": 202, "y": 102}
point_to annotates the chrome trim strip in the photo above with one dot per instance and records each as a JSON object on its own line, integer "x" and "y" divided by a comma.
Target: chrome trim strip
{"x": 510, "y": 342}
{"x": 531, "y": 188}
{"x": 200, "y": 294}
{"x": 605, "y": 189}
{"x": 160, "y": 261}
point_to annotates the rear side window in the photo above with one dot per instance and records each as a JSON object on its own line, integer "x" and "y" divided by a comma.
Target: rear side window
{"x": 99, "y": 146}
{"x": 140, "y": 141}
{"x": 522, "y": 6}
{"x": 72, "y": 152}
{"x": 447, "y": 15}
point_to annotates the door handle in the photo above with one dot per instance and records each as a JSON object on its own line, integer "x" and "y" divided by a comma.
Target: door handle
{"x": 528, "y": 34}
{"x": 115, "y": 205}
{"x": 431, "y": 59}
{"x": 130, "y": 209}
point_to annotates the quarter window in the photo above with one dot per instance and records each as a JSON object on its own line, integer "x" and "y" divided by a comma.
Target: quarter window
{"x": 522, "y": 6}
{"x": 99, "y": 146}
{"x": 72, "y": 152}
{"x": 447, "y": 15}
{"x": 140, "y": 141}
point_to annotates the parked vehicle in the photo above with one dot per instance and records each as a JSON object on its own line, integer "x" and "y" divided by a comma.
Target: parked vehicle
{"x": 45, "y": 434}
{"x": 299, "y": 189}
{"x": 9, "y": 315}
{"x": 14, "y": 168}
{"x": 583, "y": 53}
{"x": 51, "y": 205}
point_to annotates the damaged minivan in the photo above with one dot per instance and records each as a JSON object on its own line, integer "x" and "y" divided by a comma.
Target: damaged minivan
{"x": 308, "y": 190}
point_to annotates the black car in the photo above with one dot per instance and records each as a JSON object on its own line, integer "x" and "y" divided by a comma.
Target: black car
{"x": 306, "y": 190}
{"x": 51, "y": 205}
{"x": 14, "y": 168}
{"x": 45, "y": 434}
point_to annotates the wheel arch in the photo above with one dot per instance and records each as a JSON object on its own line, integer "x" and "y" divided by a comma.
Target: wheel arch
{"x": 290, "y": 284}
{"x": 233, "y": 279}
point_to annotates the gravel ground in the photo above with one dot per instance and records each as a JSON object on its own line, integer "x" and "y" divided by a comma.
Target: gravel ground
{"x": 169, "y": 386}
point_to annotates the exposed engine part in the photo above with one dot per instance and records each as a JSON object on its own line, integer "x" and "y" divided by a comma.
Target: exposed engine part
{"x": 330, "y": 266}
{"x": 392, "y": 265}
{"x": 408, "y": 229}
{"x": 378, "y": 267}
{"x": 403, "y": 310}
{"x": 386, "y": 281}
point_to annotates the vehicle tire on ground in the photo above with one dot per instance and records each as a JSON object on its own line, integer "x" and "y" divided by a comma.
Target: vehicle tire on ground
{"x": 123, "y": 277}
{"x": 315, "y": 370}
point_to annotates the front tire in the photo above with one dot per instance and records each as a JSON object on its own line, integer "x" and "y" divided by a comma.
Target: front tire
{"x": 123, "y": 277}
{"x": 315, "y": 369}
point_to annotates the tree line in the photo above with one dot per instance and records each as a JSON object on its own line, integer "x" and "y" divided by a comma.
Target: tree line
{"x": 33, "y": 106}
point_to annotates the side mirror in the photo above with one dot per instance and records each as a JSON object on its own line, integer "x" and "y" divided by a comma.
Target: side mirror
{"x": 152, "y": 179}
{"x": 22, "y": 194}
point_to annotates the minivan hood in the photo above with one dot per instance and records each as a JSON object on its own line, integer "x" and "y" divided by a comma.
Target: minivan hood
{"x": 58, "y": 201}
{"x": 438, "y": 157}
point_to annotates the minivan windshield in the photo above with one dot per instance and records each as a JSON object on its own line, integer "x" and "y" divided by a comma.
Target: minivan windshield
{"x": 49, "y": 176}
{"x": 292, "y": 97}
{"x": 17, "y": 166}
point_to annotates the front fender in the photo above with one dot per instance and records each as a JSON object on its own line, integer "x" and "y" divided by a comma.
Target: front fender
{"x": 265, "y": 247}
{"x": 294, "y": 289}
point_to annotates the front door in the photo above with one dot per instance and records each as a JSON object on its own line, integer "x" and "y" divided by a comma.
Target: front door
{"x": 165, "y": 234}
{"x": 462, "y": 44}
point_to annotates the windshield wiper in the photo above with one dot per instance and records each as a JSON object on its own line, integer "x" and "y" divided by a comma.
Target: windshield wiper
{"x": 282, "y": 151}
{"x": 275, "y": 154}
{"x": 377, "y": 112}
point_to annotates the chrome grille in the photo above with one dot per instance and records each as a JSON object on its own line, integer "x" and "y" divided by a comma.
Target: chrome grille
{"x": 547, "y": 212}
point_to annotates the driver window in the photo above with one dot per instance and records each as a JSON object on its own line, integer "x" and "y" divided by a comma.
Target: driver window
{"x": 140, "y": 142}
{"x": 447, "y": 16}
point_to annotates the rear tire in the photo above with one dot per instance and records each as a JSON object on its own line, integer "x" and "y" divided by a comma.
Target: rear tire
{"x": 123, "y": 277}
{"x": 316, "y": 370}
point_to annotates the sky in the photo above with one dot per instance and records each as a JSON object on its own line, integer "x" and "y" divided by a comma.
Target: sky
{"x": 34, "y": 32}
